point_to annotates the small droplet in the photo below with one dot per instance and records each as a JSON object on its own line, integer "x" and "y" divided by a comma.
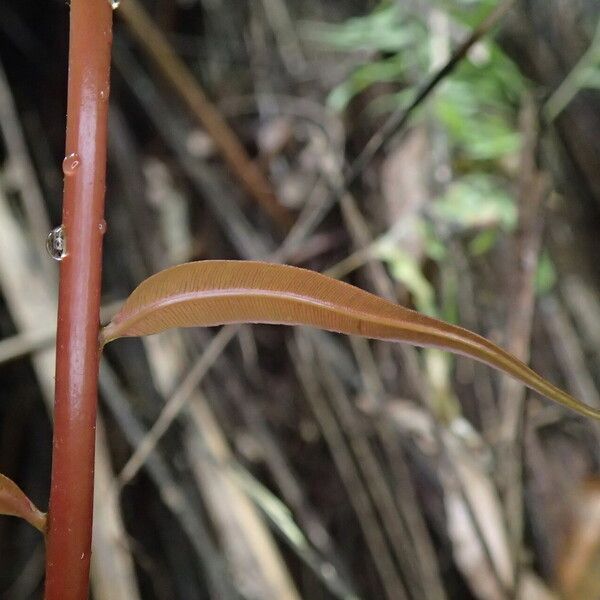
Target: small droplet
{"x": 102, "y": 226}
{"x": 56, "y": 243}
{"x": 70, "y": 164}
{"x": 114, "y": 3}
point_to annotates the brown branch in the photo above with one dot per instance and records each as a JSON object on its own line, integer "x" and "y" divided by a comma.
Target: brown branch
{"x": 172, "y": 68}
{"x": 533, "y": 189}
{"x": 77, "y": 353}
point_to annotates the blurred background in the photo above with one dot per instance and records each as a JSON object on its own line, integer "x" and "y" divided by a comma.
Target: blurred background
{"x": 442, "y": 153}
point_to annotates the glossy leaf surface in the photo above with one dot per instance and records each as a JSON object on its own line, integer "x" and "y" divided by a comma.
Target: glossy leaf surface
{"x": 14, "y": 502}
{"x": 207, "y": 293}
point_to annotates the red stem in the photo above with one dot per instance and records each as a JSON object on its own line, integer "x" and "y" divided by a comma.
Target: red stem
{"x": 77, "y": 354}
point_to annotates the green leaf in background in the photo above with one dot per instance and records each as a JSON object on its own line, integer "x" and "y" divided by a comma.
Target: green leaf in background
{"x": 386, "y": 29}
{"x": 475, "y": 109}
{"x": 591, "y": 78}
{"x": 435, "y": 248}
{"x": 467, "y": 12}
{"x": 477, "y": 106}
{"x": 391, "y": 69}
{"x": 545, "y": 276}
{"x": 389, "y": 29}
{"x": 405, "y": 269}
{"x": 483, "y": 242}
{"x": 476, "y": 201}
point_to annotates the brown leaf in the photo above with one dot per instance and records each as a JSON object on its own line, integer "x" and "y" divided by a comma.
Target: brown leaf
{"x": 208, "y": 293}
{"x": 14, "y": 502}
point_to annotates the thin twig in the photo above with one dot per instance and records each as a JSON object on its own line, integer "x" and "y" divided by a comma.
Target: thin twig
{"x": 173, "y": 69}
{"x": 532, "y": 191}
{"x": 31, "y": 340}
{"x": 23, "y": 172}
{"x": 285, "y": 478}
{"x": 271, "y": 507}
{"x": 172, "y": 128}
{"x": 191, "y": 520}
{"x": 567, "y": 347}
{"x": 254, "y": 560}
{"x": 574, "y": 81}
{"x": 357, "y": 494}
{"x": 411, "y": 527}
{"x": 372, "y": 474}
{"x": 113, "y": 571}
{"x": 176, "y": 403}
{"x": 285, "y": 35}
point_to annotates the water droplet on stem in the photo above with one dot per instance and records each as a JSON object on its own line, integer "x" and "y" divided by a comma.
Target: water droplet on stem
{"x": 70, "y": 164}
{"x": 56, "y": 243}
{"x": 102, "y": 226}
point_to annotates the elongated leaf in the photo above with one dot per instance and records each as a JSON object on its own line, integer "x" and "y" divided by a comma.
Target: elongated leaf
{"x": 14, "y": 502}
{"x": 208, "y": 293}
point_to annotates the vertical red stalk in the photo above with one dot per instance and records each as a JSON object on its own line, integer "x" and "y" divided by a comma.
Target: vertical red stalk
{"x": 71, "y": 495}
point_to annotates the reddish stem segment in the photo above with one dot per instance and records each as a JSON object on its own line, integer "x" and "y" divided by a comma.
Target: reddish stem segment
{"x": 77, "y": 354}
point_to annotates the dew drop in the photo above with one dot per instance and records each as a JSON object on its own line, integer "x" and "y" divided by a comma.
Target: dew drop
{"x": 114, "y": 3}
{"x": 102, "y": 226}
{"x": 56, "y": 243}
{"x": 70, "y": 164}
